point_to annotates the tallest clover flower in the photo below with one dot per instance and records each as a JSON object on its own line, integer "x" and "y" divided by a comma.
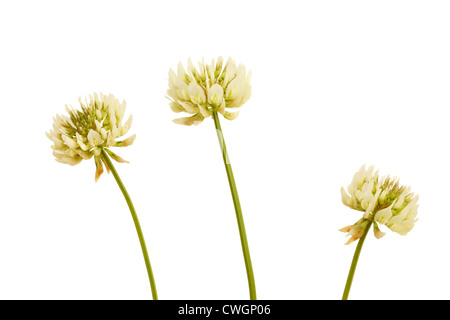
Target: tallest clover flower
{"x": 208, "y": 91}
{"x": 211, "y": 88}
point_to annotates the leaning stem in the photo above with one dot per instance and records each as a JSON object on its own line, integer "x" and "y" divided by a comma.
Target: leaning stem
{"x": 237, "y": 207}
{"x": 109, "y": 163}
{"x": 354, "y": 262}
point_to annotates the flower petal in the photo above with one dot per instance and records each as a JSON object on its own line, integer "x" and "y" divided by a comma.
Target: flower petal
{"x": 230, "y": 115}
{"x": 98, "y": 168}
{"x": 115, "y": 156}
{"x": 127, "y": 142}
{"x": 188, "y": 121}
{"x": 215, "y": 95}
{"x": 196, "y": 93}
{"x": 126, "y": 126}
{"x": 94, "y": 138}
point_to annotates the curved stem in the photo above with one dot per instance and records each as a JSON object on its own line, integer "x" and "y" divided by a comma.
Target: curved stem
{"x": 237, "y": 207}
{"x": 110, "y": 165}
{"x": 354, "y": 262}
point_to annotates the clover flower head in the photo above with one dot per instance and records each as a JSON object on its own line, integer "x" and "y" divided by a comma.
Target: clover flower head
{"x": 84, "y": 133}
{"x": 209, "y": 88}
{"x": 382, "y": 200}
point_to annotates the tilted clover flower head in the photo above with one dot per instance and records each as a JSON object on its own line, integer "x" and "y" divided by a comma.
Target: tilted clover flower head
{"x": 84, "y": 133}
{"x": 382, "y": 200}
{"x": 209, "y": 88}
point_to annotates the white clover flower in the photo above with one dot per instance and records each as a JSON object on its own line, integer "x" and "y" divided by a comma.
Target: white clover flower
{"x": 382, "y": 200}
{"x": 85, "y": 132}
{"x": 210, "y": 88}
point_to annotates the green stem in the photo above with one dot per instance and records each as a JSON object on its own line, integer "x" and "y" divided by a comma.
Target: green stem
{"x": 237, "y": 207}
{"x": 354, "y": 262}
{"x": 109, "y": 163}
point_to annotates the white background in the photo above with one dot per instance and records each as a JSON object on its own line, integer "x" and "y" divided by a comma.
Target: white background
{"x": 336, "y": 84}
